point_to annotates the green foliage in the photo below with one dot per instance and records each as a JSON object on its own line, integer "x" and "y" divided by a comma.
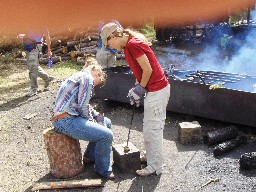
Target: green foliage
{"x": 8, "y": 44}
{"x": 148, "y": 30}
{"x": 7, "y": 58}
{"x": 2, "y": 81}
{"x": 238, "y": 17}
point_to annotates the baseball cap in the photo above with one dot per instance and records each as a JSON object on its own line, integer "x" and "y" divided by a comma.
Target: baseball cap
{"x": 106, "y": 31}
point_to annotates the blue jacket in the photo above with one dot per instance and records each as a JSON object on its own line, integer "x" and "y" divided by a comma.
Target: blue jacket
{"x": 30, "y": 41}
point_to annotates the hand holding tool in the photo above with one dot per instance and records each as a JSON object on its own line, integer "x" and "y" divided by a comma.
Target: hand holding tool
{"x": 100, "y": 118}
{"x": 136, "y": 93}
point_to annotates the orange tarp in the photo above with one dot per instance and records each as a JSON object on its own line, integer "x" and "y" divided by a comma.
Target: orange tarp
{"x": 21, "y": 15}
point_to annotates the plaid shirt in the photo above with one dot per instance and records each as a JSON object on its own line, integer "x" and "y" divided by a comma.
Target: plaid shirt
{"x": 74, "y": 95}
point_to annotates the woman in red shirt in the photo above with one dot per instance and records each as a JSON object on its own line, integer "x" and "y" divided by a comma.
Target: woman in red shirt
{"x": 150, "y": 81}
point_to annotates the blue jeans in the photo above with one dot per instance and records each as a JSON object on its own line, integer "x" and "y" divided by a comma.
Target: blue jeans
{"x": 100, "y": 139}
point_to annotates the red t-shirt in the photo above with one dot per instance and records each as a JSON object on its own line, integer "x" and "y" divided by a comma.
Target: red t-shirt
{"x": 136, "y": 48}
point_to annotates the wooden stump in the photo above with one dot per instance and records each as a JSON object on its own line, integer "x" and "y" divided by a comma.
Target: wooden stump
{"x": 64, "y": 154}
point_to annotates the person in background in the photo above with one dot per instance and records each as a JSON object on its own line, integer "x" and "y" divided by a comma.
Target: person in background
{"x": 75, "y": 117}
{"x": 105, "y": 57}
{"x": 150, "y": 81}
{"x": 32, "y": 43}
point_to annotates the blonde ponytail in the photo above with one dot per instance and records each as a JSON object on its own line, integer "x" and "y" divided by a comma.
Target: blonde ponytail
{"x": 132, "y": 33}
{"x": 135, "y": 34}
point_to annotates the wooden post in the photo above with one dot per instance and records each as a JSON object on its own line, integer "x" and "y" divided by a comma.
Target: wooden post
{"x": 64, "y": 154}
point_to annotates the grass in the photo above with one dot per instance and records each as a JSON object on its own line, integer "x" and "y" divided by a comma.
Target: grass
{"x": 14, "y": 79}
{"x": 63, "y": 70}
{"x": 7, "y": 58}
{"x": 13, "y": 73}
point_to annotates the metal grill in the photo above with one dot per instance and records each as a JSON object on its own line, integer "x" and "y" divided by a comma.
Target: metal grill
{"x": 191, "y": 93}
{"x": 227, "y": 80}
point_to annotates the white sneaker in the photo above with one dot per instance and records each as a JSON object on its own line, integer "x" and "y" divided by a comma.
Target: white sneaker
{"x": 31, "y": 93}
{"x": 144, "y": 172}
{"x": 47, "y": 82}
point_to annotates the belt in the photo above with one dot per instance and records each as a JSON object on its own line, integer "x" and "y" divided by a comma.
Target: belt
{"x": 54, "y": 118}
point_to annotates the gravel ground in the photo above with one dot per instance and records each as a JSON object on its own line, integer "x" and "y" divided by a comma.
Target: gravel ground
{"x": 24, "y": 159}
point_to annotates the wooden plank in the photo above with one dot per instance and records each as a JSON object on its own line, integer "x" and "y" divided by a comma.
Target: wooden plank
{"x": 68, "y": 184}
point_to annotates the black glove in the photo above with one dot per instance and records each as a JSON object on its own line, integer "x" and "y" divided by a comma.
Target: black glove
{"x": 136, "y": 93}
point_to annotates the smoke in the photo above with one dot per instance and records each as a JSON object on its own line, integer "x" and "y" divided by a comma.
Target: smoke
{"x": 209, "y": 58}
{"x": 239, "y": 57}
{"x": 245, "y": 61}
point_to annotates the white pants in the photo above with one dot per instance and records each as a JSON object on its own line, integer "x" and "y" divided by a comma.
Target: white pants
{"x": 105, "y": 58}
{"x": 155, "y": 105}
{"x": 35, "y": 70}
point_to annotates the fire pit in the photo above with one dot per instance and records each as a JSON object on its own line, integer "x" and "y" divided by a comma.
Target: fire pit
{"x": 191, "y": 93}
{"x": 227, "y": 80}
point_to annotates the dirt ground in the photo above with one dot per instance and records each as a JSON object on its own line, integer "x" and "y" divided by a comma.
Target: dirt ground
{"x": 24, "y": 161}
